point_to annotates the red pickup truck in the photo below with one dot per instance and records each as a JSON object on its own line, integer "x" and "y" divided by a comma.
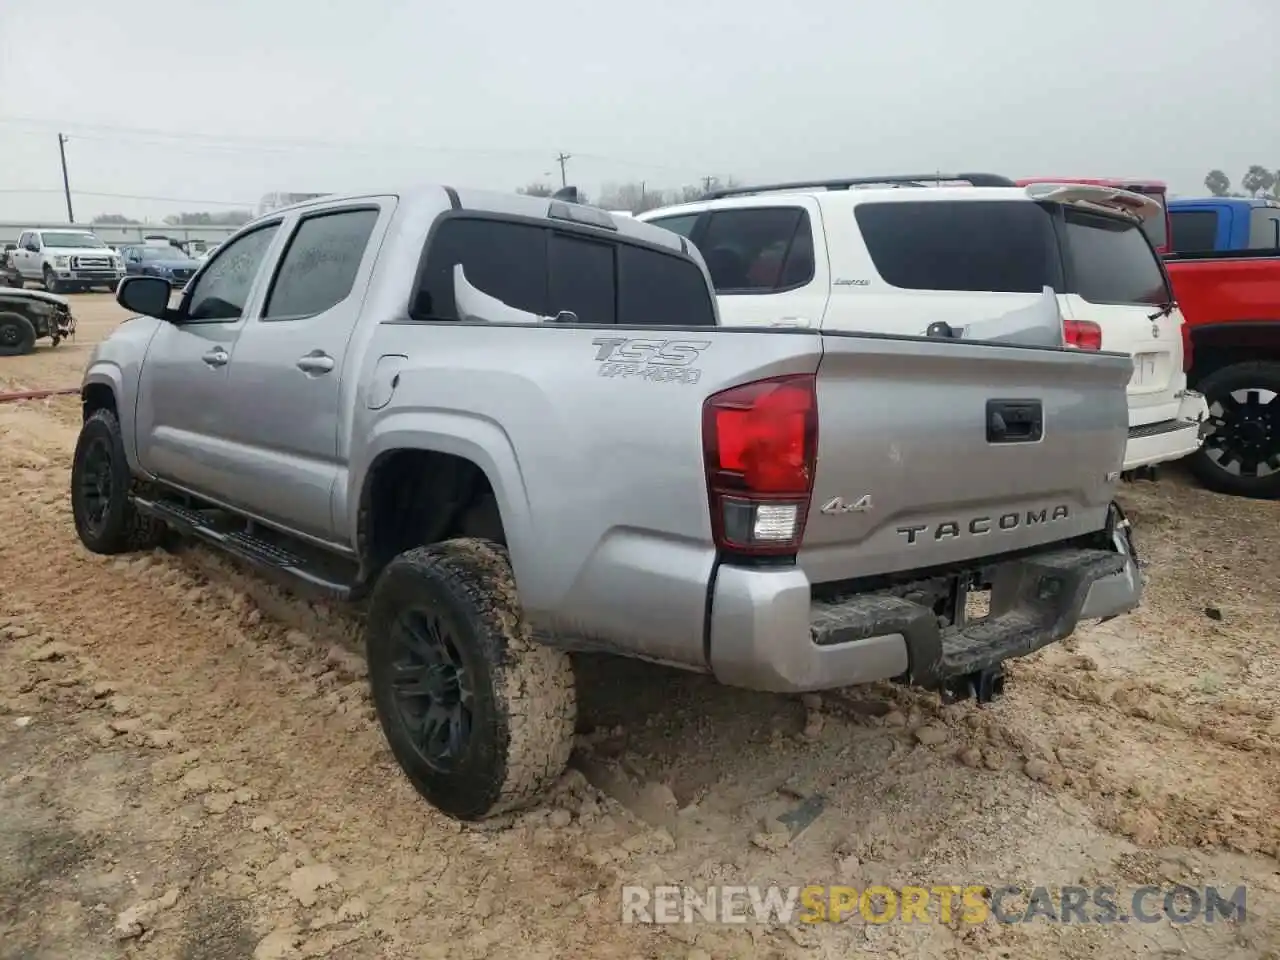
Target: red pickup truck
{"x": 1230, "y": 302}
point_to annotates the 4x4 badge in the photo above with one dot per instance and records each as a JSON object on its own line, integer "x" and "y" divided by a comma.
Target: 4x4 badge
{"x": 839, "y": 505}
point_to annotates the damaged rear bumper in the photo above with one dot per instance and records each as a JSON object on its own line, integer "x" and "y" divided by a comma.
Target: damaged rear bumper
{"x": 766, "y": 632}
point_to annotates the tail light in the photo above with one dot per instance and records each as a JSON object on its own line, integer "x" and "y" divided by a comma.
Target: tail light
{"x": 1082, "y": 334}
{"x": 760, "y": 447}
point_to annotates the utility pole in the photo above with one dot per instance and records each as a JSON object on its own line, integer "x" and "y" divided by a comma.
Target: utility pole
{"x": 66, "y": 184}
{"x": 561, "y": 159}
{"x": 706, "y": 184}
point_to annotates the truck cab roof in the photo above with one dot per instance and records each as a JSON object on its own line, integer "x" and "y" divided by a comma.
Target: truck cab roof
{"x": 426, "y": 199}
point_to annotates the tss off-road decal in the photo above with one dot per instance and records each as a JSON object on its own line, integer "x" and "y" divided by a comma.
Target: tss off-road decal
{"x": 661, "y": 360}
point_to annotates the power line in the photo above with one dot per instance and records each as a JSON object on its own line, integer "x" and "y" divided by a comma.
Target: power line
{"x": 133, "y": 196}
{"x": 229, "y": 142}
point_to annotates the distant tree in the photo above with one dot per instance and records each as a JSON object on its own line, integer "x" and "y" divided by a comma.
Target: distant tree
{"x": 535, "y": 190}
{"x": 639, "y": 197}
{"x": 1258, "y": 180}
{"x": 113, "y": 219}
{"x": 1217, "y": 183}
{"x": 226, "y": 218}
{"x": 635, "y": 197}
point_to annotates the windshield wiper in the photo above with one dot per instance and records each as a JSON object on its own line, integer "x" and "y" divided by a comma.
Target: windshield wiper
{"x": 1166, "y": 308}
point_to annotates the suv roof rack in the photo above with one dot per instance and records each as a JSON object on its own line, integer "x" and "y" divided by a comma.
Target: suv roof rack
{"x": 900, "y": 179}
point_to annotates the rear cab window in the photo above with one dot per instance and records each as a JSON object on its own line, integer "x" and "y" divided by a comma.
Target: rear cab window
{"x": 1264, "y": 228}
{"x": 1194, "y": 231}
{"x": 547, "y": 270}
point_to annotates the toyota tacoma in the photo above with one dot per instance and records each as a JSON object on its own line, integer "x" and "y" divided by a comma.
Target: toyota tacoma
{"x": 515, "y": 427}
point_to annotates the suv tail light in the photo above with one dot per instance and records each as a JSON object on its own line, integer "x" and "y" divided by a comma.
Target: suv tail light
{"x": 1082, "y": 334}
{"x": 760, "y": 447}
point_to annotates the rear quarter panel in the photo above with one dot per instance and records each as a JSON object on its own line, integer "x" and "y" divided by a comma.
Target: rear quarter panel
{"x": 596, "y": 461}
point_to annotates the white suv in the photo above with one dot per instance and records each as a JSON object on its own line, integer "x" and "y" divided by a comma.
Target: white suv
{"x": 898, "y": 254}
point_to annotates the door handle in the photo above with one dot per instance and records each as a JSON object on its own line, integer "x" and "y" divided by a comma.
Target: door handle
{"x": 316, "y": 362}
{"x": 217, "y": 357}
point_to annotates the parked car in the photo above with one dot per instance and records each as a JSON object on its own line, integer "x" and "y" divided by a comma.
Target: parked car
{"x": 514, "y": 424}
{"x": 8, "y": 272}
{"x": 30, "y": 315}
{"x": 159, "y": 260}
{"x": 64, "y": 261}
{"x": 1158, "y": 228}
{"x": 1225, "y": 223}
{"x": 898, "y": 254}
{"x": 1231, "y": 301}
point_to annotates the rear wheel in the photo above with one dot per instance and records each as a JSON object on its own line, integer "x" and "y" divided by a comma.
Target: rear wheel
{"x": 1241, "y": 453}
{"x": 17, "y": 335}
{"x": 479, "y": 716}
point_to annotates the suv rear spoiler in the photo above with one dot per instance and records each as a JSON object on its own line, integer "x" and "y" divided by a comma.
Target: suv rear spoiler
{"x": 1106, "y": 199}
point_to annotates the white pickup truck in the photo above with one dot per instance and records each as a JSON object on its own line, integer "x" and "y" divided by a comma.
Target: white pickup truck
{"x": 883, "y": 255}
{"x": 64, "y": 260}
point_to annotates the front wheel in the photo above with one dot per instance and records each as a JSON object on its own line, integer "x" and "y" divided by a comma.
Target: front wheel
{"x": 1241, "y": 452}
{"x": 106, "y": 520}
{"x": 17, "y": 335}
{"x": 51, "y": 283}
{"x": 479, "y": 716}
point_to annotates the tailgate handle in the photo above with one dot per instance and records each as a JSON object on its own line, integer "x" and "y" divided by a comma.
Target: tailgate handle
{"x": 1014, "y": 421}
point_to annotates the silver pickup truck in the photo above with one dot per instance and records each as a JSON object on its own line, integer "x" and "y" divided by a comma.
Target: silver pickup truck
{"x": 515, "y": 426}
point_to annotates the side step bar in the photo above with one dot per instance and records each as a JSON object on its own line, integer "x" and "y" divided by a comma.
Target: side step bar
{"x": 265, "y": 556}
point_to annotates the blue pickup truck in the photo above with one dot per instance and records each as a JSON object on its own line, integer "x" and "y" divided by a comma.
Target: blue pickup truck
{"x": 1224, "y": 223}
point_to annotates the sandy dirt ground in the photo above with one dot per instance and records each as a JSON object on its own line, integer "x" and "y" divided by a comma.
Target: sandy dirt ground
{"x": 190, "y": 767}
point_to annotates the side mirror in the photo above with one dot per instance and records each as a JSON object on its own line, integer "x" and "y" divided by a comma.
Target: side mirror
{"x": 145, "y": 295}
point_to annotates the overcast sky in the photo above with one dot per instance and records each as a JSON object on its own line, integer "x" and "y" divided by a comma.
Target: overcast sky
{"x": 228, "y": 99}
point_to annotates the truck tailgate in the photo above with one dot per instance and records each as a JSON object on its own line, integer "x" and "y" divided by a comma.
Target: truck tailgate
{"x": 935, "y": 452}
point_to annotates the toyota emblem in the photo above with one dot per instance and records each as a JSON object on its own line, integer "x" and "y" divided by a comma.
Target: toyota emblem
{"x": 1155, "y": 331}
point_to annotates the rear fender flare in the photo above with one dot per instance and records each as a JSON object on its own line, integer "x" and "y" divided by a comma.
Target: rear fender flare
{"x": 472, "y": 438}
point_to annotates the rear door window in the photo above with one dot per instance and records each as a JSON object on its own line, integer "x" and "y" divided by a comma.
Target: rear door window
{"x": 1111, "y": 261}
{"x": 758, "y": 249}
{"x": 989, "y": 246}
{"x": 318, "y": 269}
{"x": 1194, "y": 231}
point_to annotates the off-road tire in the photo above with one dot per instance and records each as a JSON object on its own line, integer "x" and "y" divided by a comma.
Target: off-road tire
{"x": 124, "y": 529}
{"x": 523, "y": 702}
{"x": 1257, "y": 375}
{"x": 17, "y": 335}
{"x": 51, "y": 282}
